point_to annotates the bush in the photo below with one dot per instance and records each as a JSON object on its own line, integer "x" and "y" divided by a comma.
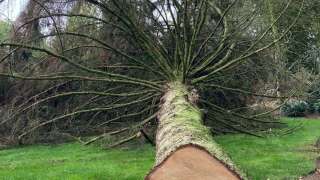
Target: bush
{"x": 314, "y": 96}
{"x": 295, "y": 108}
{"x": 316, "y": 107}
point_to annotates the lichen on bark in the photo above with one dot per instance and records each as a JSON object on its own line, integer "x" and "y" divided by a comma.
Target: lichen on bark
{"x": 180, "y": 123}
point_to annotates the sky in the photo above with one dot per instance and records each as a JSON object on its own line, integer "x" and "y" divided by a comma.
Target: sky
{"x": 10, "y": 9}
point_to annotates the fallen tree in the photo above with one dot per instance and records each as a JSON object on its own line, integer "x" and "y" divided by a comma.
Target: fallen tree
{"x": 174, "y": 54}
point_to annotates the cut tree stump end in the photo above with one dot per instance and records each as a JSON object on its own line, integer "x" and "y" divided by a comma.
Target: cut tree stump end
{"x": 191, "y": 163}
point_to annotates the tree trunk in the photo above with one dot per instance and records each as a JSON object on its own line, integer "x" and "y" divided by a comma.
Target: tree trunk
{"x": 318, "y": 143}
{"x": 184, "y": 147}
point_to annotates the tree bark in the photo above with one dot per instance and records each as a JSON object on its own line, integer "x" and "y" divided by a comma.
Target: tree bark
{"x": 180, "y": 126}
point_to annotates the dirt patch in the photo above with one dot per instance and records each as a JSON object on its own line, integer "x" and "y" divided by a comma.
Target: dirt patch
{"x": 191, "y": 163}
{"x": 312, "y": 116}
{"x": 315, "y": 174}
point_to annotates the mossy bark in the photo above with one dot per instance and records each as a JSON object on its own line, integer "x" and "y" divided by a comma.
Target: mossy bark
{"x": 180, "y": 124}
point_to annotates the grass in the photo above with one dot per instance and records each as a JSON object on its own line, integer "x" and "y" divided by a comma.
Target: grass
{"x": 74, "y": 162}
{"x": 274, "y": 158}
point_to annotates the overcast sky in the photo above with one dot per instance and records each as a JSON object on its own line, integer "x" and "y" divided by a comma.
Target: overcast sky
{"x": 11, "y": 8}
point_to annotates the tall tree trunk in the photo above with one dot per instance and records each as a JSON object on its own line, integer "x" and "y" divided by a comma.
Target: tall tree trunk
{"x": 184, "y": 146}
{"x": 278, "y": 53}
{"x": 318, "y": 143}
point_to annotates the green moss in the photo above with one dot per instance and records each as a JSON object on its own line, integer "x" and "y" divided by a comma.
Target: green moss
{"x": 184, "y": 119}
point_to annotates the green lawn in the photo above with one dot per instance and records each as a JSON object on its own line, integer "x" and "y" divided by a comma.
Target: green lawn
{"x": 74, "y": 161}
{"x": 274, "y": 158}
